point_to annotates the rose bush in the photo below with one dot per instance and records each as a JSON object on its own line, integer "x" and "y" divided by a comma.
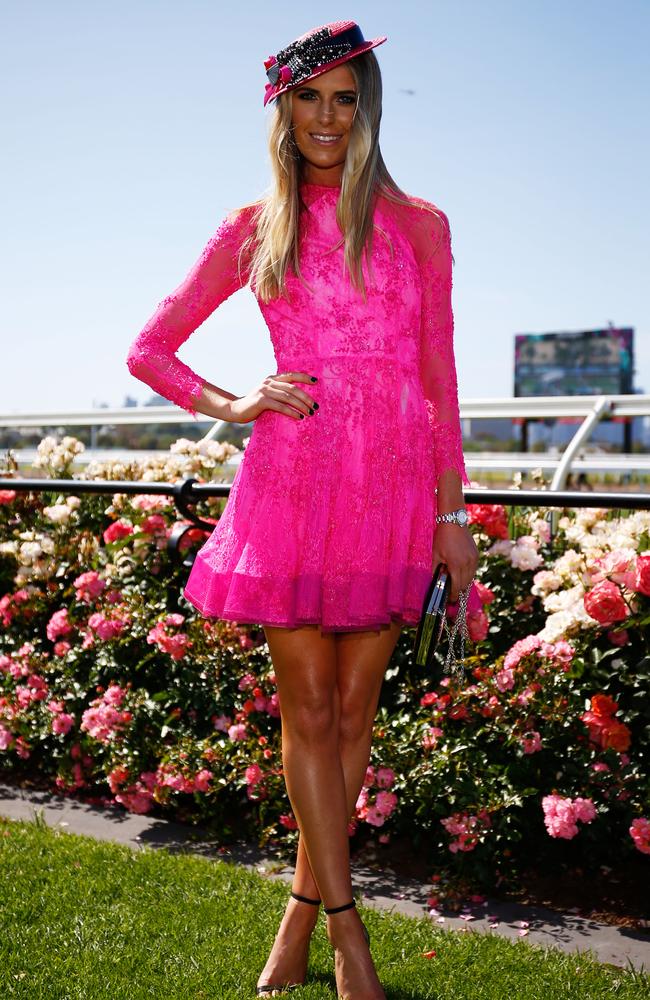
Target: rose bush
{"x": 113, "y": 688}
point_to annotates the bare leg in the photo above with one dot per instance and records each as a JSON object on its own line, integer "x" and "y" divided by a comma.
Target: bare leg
{"x": 328, "y": 685}
{"x": 304, "y": 660}
{"x": 362, "y": 659}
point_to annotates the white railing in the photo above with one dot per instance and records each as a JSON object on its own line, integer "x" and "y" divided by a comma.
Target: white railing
{"x": 590, "y": 408}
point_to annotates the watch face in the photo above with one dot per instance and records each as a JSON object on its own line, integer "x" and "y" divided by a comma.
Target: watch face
{"x": 462, "y": 516}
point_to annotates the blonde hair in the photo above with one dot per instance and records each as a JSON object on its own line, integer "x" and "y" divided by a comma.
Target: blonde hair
{"x": 365, "y": 175}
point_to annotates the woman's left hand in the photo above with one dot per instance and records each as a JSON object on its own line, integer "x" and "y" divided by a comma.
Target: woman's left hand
{"x": 454, "y": 545}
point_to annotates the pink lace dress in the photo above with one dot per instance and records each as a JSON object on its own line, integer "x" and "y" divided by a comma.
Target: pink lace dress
{"x": 330, "y": 519}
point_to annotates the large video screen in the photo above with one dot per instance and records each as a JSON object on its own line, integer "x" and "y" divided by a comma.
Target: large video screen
{"x": 586, "y": 363}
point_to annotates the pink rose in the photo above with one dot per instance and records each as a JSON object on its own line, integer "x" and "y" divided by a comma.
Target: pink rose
{"x": 253, "y": 774}
{"x": 375, "y": 817}
{"x": 6, "y": 738}
{"x": 221, "y": 722}
{"x": 385, "y": 802}
{"x": 642, "y": 574}
{"x": 505, "y": 679}
{"x": 138, "y": 801}
{"x": 617, "y": 566}
{"x": 62, "y": 723}
{"x": 247, "y": 682}
{"x": 477, "y": 626}
{"x": 58, "y": 625}
{"x": 619, "y": 638}
{"x": 154, "y": 524}
{"x": 385, "y": 777}
{"x": 88, "y": 586}
{"x": 640, "y": 834}
{"x": 531, "y": 742}
{"x": 561, "y": 815}
{"x": 523, "y": 647}
{"x": 106, "y": 628}
{"x": 431, "y": 736}
{"x": 202, "y": 780}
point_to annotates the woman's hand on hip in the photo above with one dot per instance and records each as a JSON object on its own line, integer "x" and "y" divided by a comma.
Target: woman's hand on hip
{"x": 454, "y": 545}
{"x": 276, "y": 392}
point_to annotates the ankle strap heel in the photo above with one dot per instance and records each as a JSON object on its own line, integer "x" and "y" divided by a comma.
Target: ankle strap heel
{"x": 337, "y": 909}
{"x": 306, "y": 899}
{"x": 348, "y": 906}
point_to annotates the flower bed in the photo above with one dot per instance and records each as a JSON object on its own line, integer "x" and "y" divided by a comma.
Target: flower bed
{"x": 112, "y": 687}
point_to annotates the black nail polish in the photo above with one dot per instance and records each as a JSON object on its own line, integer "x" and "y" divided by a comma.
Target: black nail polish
{"x": 313, "y": 378}
{"x": 302, "y": 416}
{"x": 311, "y": 411}
{"x": 315, "y": 406}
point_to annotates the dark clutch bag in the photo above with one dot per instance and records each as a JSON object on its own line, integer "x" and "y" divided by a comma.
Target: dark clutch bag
{"x": 433, "y": 621}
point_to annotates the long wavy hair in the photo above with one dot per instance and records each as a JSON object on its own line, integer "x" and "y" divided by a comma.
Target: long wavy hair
{"x": 365, "y": 175}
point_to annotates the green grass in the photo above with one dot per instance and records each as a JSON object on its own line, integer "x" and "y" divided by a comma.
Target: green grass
{"x": 88, "y": 920}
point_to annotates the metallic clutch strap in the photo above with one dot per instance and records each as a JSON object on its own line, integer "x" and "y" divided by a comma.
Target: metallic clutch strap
{"x": 453, "y": 665}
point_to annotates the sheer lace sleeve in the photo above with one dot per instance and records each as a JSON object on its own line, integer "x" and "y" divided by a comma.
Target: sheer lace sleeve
{"x": 432, "y": 243}
{"x": 217, "y": 273}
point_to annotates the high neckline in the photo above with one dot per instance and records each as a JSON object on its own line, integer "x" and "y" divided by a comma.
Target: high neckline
{"x": 320, "y": 187}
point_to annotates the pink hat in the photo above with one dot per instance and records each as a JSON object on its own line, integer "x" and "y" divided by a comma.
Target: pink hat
{"x": 314, "y": 53}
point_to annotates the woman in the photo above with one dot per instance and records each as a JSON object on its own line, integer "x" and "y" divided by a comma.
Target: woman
{"x": 331, "y": 529}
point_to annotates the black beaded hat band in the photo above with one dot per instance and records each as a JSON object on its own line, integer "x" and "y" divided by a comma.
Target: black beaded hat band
{"x": 313, "y": 53}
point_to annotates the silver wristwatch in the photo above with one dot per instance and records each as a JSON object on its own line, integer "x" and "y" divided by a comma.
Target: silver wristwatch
{"x": 458, "y": 516}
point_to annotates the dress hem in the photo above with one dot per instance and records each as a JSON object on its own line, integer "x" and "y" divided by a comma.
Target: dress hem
{"x": 242, "y": 618}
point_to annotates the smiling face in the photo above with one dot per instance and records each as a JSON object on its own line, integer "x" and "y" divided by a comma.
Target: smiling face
{"x": 322, "y": 113}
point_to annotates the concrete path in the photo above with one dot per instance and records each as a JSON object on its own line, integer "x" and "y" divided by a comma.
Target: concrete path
{"x": 620, "y": 946}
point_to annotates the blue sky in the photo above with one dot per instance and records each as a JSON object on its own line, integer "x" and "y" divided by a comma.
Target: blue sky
{"x": 131, "y": 128}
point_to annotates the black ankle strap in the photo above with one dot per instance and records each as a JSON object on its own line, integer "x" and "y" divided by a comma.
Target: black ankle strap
{"x": 337, "y": 909}
{"x": 305, "y": 899}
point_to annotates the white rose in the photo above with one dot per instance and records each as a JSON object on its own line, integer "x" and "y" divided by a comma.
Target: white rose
{"x": 59, "y": 514}
{"x": 525, "y": 556}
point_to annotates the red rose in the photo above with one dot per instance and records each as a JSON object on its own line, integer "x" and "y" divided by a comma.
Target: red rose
{"x": 603, "y": 705}
{"x": 491, "y": 517}
{"x": 615, "y": 735}
{"x": 486, "y": 595}
{"x": 605, "y": 603}
{"x": 119, "y": 529}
